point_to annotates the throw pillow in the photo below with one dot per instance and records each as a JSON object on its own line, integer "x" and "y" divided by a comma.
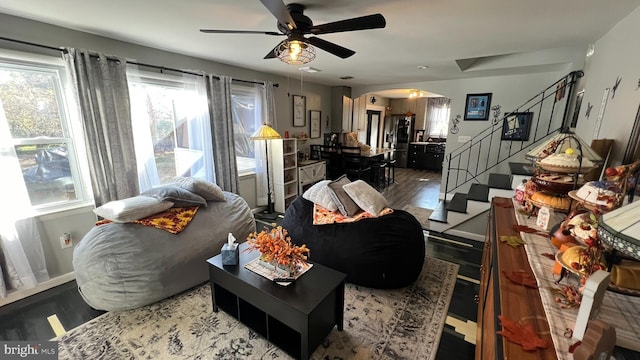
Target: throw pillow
{"x": 132, "y": 209}
{"x": 345, "y": 204}
{"x": 320, "y": 194}
{"x": 367, "y": 197}
{"x": 204, "y": 188}
{"x": 179, "y": 196}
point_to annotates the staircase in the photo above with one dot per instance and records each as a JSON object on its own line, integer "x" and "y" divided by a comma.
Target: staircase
{"x": 487, "y": 166}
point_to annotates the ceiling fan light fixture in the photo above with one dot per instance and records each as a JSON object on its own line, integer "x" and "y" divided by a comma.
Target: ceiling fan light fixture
{"x": 295, "y": 52}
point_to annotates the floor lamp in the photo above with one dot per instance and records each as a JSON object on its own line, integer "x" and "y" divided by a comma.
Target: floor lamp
{"x": 266, "y": 132}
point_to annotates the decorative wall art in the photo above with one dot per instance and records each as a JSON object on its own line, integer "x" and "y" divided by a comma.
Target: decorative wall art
{"x": 477, "y": 106}
{"x": 496, "y": 113}
{"x": 314, "y": 124}
{"x": 561, "y": 89}
{"x": 615, "y": 87}
{"x": 299, "y": 110}
{"x": 516, "y": 126}
{"x": 587, "y": 112}
{"x": 455, "y": 129}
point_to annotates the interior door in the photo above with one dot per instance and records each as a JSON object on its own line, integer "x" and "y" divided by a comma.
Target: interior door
{"x": 373, "y": 127}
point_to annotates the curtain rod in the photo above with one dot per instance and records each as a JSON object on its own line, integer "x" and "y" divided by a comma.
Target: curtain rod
{"x": 161, "y": 68}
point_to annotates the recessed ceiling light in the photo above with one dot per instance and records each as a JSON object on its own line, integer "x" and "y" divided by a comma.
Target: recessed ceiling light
{"x": 422, "y": 67}
{"x": 346, "y": 77}
{"x": 309, "y": 69}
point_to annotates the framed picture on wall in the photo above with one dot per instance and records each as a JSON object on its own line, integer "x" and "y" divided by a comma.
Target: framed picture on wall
{"x": 516, "y": 126}
{"x": 314, "y": 124}
{"x": 477, "y": 106}
{"x": 576, "y": 109}
{"x": 299, "y": 110}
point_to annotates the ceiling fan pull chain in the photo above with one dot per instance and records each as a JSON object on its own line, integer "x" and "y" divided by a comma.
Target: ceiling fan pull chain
{"x": 301, "y": 83}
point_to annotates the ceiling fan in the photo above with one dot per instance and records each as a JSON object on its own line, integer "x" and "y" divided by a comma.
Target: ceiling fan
{"x": 293, "y": 24}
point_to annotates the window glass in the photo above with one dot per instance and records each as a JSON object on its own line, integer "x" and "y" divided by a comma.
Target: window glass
{"x": 172, "y": 130}
{"x": 33, "y": 103}
{"x": 246, "y": 120}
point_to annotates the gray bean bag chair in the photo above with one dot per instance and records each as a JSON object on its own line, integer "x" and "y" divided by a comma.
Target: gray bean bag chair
{"x": 383, "y": 252}
{"x": 121, "y": 266}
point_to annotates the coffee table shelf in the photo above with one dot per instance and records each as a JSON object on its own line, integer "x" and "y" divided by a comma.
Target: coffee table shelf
{"x": 296, "y": 318}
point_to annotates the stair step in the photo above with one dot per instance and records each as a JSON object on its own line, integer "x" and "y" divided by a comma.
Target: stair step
{"x": 478, "y": 192}
{"x": 458, "y": 203}
{"x": 520, "y": 168}
{"x": 439, "y": 214}
{"x": 500, "y": 181}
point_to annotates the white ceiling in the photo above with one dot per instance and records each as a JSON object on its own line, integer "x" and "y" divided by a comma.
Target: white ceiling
{"x": 497, "y": 36}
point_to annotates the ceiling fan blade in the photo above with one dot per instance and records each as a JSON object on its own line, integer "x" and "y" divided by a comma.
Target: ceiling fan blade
{"x": 330, "y": 47}
{"x": 280, "y": 11}
{"x": 375, "y": 21}
{"x": 272, "y": 54}
{"x": 211, "y": 31}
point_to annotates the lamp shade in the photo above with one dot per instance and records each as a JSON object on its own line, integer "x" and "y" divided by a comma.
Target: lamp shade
{"x": 295, "y": 52}
{"x": 265, "y": 132}
{"x": 559, "y": 143}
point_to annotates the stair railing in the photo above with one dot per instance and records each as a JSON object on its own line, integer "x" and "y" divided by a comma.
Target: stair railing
{"x": 486, "y": 150}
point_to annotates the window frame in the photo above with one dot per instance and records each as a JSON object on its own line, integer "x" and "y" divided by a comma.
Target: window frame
{"x": 73, "y": 136}
{"x": 242, "y": 162}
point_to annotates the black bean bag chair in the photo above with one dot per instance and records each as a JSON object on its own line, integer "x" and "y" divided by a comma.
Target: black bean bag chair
{"x": 385, "y": 252}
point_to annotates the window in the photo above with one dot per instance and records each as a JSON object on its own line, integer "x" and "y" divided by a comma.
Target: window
{"x": 438, "y": 110}
{"x": 247, "y": 119}
{"x": 34, "y": 104}
{"x": 171, "y": 126}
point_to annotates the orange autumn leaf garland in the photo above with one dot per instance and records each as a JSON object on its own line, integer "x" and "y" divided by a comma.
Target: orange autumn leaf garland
{"x": 523, "y": 335}
{"x": 275, "y": 245}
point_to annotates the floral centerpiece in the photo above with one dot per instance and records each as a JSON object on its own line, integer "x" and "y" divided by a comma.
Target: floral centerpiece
{"x": 277, "y": 250}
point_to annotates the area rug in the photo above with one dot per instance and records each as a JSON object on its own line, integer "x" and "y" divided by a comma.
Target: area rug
{"x": 404, "y": 323}
{"x": 421, "y": 214}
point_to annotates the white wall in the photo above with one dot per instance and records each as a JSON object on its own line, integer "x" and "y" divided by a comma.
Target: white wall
{"x": 616, "y": 55}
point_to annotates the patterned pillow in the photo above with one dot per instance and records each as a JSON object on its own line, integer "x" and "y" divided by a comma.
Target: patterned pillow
{"x": 319, "y": 193}
{"x": 204, "y": 188}
{"x": 179, "y": 196}
{"x": 131, "y": 209}
{"x": 367, "y": 197}
{"x": 346, "y": 206}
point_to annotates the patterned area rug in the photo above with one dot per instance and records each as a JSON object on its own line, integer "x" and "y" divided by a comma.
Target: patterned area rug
{"x": 378, "y": 324}
{"x": 419, "y": 213}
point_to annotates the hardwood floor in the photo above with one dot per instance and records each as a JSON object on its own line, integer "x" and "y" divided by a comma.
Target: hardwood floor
{"x": 413, "y": 187}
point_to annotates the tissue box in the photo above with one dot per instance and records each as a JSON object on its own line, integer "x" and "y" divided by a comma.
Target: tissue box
{"x": 230, "y": 254}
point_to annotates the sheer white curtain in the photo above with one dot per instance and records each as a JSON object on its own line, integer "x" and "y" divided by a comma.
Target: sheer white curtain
{"x": 193, "y": 147}
{"x": 438, "y": 110}
{"x": 266, "y": 114}
{"x": 24, "y": 263}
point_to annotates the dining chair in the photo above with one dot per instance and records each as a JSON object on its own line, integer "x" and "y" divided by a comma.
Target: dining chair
{"x": 355, "y": 165}
{"x": 333, "y": 161}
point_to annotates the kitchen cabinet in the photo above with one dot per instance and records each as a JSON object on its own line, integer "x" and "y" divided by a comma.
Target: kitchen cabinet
{"x": 426, "y": 156}
{"x": 499, "y": 296}
{"x": 284, "y": 169}
{"x": 309, "y": 173}
{"x": 359, "y": 122}
{"x": 341, "y": 109}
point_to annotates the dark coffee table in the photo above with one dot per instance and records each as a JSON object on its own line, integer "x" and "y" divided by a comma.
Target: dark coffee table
{"x": 296, "y": 318}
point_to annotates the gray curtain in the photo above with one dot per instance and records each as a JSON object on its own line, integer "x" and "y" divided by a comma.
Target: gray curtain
{"x": 104, "y": 104}
{"x": 224, "y": 151}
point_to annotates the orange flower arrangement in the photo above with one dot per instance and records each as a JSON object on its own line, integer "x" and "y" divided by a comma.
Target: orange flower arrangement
{"x": 275, "y": 246}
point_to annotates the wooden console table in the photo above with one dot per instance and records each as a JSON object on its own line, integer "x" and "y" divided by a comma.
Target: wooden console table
{"x": 500, "y": 296}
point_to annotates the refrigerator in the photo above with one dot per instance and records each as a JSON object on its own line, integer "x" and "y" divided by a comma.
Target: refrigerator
{"x": 398, "y": 129}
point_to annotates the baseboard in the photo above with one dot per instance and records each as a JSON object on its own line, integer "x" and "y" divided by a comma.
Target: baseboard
{"x": 15, "y": 295}
{"x": 465, "y": 234}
